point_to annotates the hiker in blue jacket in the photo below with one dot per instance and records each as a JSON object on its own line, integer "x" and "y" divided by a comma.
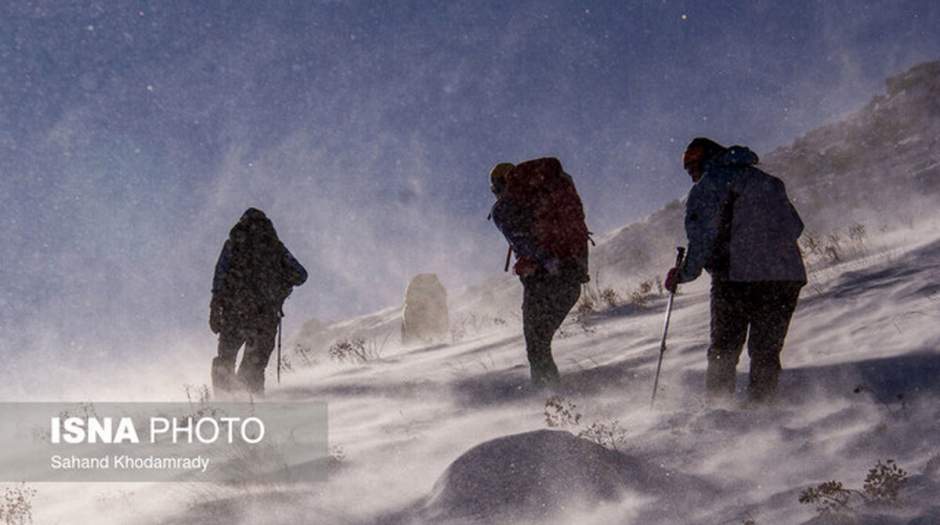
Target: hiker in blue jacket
{"x": 743, "y": 230}
{"x": 253, "y": 277}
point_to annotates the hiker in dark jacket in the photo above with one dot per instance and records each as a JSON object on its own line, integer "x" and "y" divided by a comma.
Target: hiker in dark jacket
{"x": 540, "y": 214}
{"x": 742, "y": 229}
{"x": 253, "y": 276}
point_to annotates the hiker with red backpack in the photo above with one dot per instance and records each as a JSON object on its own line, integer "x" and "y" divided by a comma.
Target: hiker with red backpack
{"x": 742, "y": 229}
{"x": 539, "y": 212}
{"x": 253, "y": 277}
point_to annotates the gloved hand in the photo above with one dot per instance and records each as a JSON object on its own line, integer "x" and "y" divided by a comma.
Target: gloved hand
{"x": 215, "y": 315}
{"x": 672, "y": 280}
{"x": 525, "y": 267}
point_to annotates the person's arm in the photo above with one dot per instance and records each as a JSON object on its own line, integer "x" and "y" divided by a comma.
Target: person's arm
{"x": 221, "y": 267}
{"x": 795, "y": 220}
{"x": 702, "y": 222}
{"x": 515, "y": 223}
{"x": 296, "y": 273}
{"x": 218, "y": 280}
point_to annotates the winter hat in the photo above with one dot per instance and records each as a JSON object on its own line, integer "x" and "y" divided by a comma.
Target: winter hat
{"x": 700, "y": 150}
{"x": 253, "y": 214}
{"x": 498, "y": 176}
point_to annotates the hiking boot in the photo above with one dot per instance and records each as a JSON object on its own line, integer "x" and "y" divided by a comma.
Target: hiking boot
{"x": 223, "y": 376}
{"x": 546, "y": 378}
{"x": 251, "y": 378}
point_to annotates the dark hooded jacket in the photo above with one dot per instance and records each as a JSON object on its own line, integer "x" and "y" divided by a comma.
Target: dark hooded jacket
{"x": 741, "y": 226}
{"x": 255, "y": 272}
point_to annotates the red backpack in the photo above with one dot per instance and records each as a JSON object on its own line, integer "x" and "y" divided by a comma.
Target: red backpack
{"x": 557, "y": 214}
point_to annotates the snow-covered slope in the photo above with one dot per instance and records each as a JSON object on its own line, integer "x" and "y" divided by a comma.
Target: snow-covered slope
{"x": 878, "y": 169}
{"x": 451, "y": 432}
{"x": 859, "y": 386}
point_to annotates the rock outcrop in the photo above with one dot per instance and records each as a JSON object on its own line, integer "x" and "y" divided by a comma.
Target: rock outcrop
{"x": 425, "y": 318}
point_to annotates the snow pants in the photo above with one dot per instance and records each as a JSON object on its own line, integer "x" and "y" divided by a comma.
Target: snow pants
{"x": 258, "y": 339}
{"x": 547, "y": 299}
{"x": 759, "y": 312}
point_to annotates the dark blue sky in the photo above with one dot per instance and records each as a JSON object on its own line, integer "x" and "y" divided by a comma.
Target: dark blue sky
{"x": 134, "y": 133}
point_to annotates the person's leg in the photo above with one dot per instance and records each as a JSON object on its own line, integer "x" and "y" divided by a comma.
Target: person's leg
{"x": 537, "y": 328}
{"x": 564, "y": 294}
{"x": 258, "y": 349}
{"x": 567, "y": 293}
{"x": 773, "y": 306}
{"x": 546, "y": 303}
{"x": 728, "y": 331}
{"x": 223, "y": 365}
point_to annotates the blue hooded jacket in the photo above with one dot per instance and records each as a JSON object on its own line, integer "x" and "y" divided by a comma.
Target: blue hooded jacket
{"x": 740, "y": 224}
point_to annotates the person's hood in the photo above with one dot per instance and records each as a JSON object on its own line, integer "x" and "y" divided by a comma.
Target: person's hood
{"x": 735, "y": 156}
{"x": 253, "y": 214}
{"x": 252, "y": 223}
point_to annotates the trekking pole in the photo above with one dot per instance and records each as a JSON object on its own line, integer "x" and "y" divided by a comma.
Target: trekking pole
{"x": 280, "y": 324}
{"x": 508, "y": 256}
{"x": 680, "y": 255}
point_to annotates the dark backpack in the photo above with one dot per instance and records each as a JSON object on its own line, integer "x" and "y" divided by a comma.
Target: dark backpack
{"x": 558, "y": 225}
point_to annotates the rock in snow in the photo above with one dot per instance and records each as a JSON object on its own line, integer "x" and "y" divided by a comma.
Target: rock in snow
{"x": 545, "y": 473}
{"x": 425, "y": 318}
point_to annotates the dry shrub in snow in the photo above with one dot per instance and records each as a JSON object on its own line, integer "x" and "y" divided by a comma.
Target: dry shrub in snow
{"x": 858, "y": 234}
{"x": 830, "y": 497}
{"x": 306, "y": 355}
{"x": 641, "y": 296}
{"x": 883, "y": 483}
{"x": 582, "y": 318}
{"x": 588, "y": 304}
{"x": 286, "y": 365}
{"x": 199, "y": 400}
{"x": 608, "y": 434}
{"x": 810, "y": 245}
{"x": 590, "y": 297}
{"x": 356, "y": 350}
{"x": 882, "y": 488}
{"x": 16, "y": 508}
{"x": 338, "y": 453}
{"x": 594, "y": 297}
{"x": 561, "y": 413}
{"x": 198, "y": 394}
{"x": 610, "y": 297}
{"x": 826, "y": 250}
{"x": 473, "y": 323}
